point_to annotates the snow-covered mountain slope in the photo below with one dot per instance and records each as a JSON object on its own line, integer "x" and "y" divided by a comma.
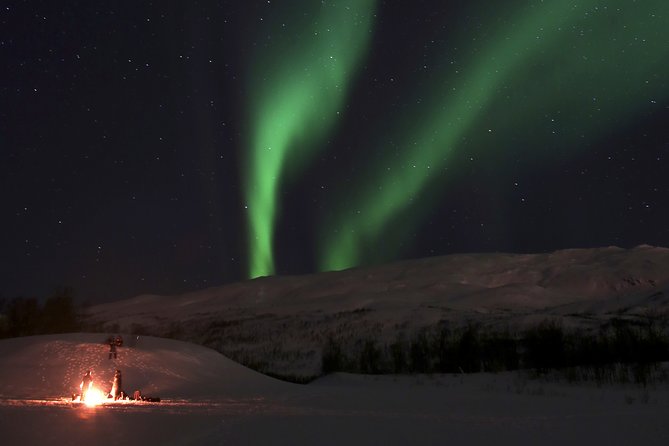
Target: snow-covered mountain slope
{"x": 290, "y": 317}
{"x": 465, "y": 281}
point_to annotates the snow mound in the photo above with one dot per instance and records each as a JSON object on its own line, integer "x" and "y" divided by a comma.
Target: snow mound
{"x": 52, "y": 366}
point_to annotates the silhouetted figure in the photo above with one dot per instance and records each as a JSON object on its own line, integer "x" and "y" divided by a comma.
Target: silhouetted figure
{"x": 117, "y": 387}
{"x": 86, "y": 383}
{"x": 112, "y": 349}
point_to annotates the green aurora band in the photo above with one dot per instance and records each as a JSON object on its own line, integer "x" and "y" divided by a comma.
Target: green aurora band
{"x": 593, "y": 64}
{"x": 300, "y": 79}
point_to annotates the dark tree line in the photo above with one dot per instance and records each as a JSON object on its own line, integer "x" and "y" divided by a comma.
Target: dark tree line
{"x": 26, "y": 316}
{"x": 543, "y": 348}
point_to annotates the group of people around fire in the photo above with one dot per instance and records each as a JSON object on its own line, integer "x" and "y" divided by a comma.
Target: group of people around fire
{"x": 116, "y": 392}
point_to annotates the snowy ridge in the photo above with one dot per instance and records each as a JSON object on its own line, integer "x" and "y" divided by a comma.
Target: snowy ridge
{"x": 281, "y": 323}
{"x": 468, "y": 280}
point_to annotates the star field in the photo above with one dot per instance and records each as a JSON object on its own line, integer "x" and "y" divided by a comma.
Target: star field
{"x": 162, "y": 148}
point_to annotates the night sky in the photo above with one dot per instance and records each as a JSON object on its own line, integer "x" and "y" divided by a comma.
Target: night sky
{"x": 163, "y": 147}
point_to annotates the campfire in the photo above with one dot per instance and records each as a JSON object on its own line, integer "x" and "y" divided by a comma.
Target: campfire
{"x": 94, "y": 397}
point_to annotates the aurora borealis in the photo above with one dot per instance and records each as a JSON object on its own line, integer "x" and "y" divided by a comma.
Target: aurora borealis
{"x": 556, "y": 56}
{"x": 553, "y": 56}
{"x": 168, "y": 147}
{"x": 299, "y": 82}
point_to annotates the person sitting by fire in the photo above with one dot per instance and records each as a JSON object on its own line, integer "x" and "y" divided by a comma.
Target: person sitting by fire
{"x": 86, "y": 383}
{"x": 137, "y": 396}
{"x": 117, "y": 390}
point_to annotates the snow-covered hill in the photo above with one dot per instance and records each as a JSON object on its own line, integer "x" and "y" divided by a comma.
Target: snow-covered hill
{"x": 280, "y": 323}
{"x": 52, "y": 367}
{"x": 462, "y": 281}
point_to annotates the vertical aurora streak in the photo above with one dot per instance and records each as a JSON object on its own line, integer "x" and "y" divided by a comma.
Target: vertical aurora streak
{"x": 300, "y": 79}
{"x": 584, "y": 50}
